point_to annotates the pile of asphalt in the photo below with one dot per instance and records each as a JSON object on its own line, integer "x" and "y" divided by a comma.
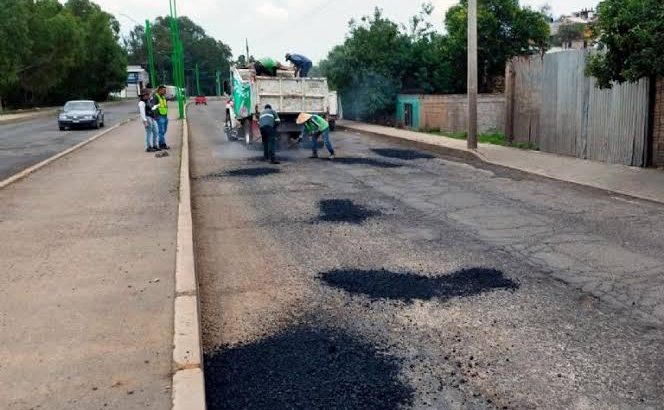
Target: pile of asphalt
{"x": 365, "y": 161}
{"x": 408, "y": 286}
{"x": 344, "y": 210}
{"x": 405, "y": 154}
{"x": 305, "y": 367}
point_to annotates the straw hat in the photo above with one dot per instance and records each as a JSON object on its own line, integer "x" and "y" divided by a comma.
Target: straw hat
{"x": 302, "y": 118}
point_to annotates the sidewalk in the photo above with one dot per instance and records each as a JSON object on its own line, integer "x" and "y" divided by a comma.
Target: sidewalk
{"x": 87, "y": 262}
{"x": 640, "y": 183}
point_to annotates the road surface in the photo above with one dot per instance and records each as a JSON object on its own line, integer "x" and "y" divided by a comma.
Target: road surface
{"x": 397, "y": 278}
{"x": 26, "y": 143}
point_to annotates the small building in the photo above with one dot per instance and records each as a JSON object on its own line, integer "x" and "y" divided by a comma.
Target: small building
{"x": 449, "y": 112}
{"x": 137, "y": 79}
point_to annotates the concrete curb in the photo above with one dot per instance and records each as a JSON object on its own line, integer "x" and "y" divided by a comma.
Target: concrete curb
{"x": 38, "y": 166}
{"x": 470, "y": 154}
{"x": 188, "y": 376}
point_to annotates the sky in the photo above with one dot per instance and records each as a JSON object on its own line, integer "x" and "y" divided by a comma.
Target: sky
{"x": 274, "y": 27}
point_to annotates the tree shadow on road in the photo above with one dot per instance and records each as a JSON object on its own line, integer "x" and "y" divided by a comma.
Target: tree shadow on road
{"x": 344, "y": 210}
{"x": 406, "y": 286}
{"x": 405, "y": 154}
{"x": 304, "y": 367}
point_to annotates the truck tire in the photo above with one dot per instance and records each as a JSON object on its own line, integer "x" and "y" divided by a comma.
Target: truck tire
{"x": 246, "y": 129}
{"x": 333, "y": 125}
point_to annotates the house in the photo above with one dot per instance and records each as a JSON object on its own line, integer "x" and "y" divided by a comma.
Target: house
{"x": 574, "y": 31}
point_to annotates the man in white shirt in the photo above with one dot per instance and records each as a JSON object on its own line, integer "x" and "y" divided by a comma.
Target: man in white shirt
{"x": 149, "y": 122}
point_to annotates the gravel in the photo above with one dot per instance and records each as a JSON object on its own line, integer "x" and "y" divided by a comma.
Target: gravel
{"x": 408, "y": 286}
{"x": 304, "y": 367}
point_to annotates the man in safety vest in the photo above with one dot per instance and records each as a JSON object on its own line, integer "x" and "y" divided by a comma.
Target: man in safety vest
{"x": 315, "y": 125}
{"x": 268, "y": 122}
{"x": 160, "y": 108}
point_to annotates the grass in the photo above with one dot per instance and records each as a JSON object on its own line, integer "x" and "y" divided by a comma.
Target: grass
{"x": 495, "y": 138}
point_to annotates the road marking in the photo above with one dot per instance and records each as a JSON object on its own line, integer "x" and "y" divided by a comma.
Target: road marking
{"x": 40, "y": 165}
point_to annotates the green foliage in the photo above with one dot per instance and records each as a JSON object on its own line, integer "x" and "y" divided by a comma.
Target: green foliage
{"x": 199, "y": 48}
{"x": 504, "y": 30}
{"x": 494, "y": 138}
{"x": 632, "y": 34}
{"x": 380, "y": 59}
{"x": 570, "y": 32}
{"x": 52, "y": 52}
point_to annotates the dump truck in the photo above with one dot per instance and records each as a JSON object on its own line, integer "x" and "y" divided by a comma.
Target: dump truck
{"x": 287, "y": 94}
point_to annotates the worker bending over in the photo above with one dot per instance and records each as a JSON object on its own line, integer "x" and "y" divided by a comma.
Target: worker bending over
{"x": 302, "y": 64}
{"x": 268, "y": 122}
{"x": 315, "y": 125}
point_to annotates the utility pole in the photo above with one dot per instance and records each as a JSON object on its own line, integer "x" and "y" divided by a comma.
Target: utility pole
{"x": 218, "y": 81}
{"x": 472, "y": 74}
{"x": 198, "y": 82}
{"x": 246, "y": 43}
{"x": 150, "y": 47}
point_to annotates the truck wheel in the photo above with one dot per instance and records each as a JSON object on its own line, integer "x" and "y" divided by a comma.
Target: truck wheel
{"x": 246, "y": 127}
{"x": 333, "y": 125}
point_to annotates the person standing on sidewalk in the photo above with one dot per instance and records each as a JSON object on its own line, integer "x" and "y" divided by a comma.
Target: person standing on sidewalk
{"x": 268, "y": 122}
{"x": 160, "y": 108}
{"x": 149, "y": 122}
{"x": 315, "y": 125}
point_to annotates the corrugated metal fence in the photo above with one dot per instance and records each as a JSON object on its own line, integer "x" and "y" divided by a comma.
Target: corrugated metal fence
{"x": 552, "y": 104}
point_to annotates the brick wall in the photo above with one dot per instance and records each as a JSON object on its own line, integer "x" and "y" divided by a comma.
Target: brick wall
{"x": 658, "y": 125}
{"x": 449, "y": 113}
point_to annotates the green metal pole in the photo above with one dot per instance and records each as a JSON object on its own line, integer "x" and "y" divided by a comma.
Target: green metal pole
{"x": 150, "y": 47}
{"x": 177, "y": 58}
{"x": 198, "y": 82}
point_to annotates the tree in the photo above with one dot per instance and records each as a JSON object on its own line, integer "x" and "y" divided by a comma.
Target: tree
{"x": 199, "y": 48}
{"x": 504, "y": 30}
{"x": 367, "y": 69}
{"x": 52, "y": 52}
{"x": 570, "y": 32}
{"x": 631, "y": 33}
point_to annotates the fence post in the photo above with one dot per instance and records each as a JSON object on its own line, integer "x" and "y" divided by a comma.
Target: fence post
{"x": 509, "y": 102}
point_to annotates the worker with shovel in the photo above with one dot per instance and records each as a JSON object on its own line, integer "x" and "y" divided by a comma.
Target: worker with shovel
{"x": 315, "y": 125}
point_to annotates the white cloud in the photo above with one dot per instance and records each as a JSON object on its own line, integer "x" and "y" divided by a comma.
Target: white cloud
{"x": 269, "y": 11}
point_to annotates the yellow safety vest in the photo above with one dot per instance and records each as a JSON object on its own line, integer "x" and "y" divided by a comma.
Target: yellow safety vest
{"x": 163, "y": 106}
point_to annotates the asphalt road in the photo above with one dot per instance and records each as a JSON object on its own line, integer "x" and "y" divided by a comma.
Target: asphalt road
{"x": 396, "y": 278}
{"x": 26, "y": 143}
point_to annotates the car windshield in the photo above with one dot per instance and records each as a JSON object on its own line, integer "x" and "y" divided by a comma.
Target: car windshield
{"x": 79, "y": 106}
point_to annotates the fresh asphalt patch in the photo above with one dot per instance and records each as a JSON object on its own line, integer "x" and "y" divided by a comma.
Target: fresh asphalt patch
{"x": 405, "y": 154}
{"x": 305, "y": 367}
{"x": 365, "y": 161}
{"x": 243, "y": 172}
{"x": 344, "y": 210}
{"x": 408, "y": 286}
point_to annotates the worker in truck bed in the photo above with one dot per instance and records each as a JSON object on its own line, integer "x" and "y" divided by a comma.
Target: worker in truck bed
{"x": 315, "y": 125}
{"x": 267, "y": 66}
{"x": 301, "y": 63}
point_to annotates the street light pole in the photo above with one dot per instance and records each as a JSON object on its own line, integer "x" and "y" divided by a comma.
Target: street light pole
{"x": 472, "y": 74}
{"x": 177, "y": 58}
{"x": 218, "y": 81}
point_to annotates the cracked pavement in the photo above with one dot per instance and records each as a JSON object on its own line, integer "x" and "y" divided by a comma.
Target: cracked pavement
{"x": 582, "y": 326}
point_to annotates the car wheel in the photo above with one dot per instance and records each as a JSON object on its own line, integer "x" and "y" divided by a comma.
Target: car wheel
{"x": 102, "y": 122}
{"x": 97, "y": 124}
{"x": 62, "y": 128}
